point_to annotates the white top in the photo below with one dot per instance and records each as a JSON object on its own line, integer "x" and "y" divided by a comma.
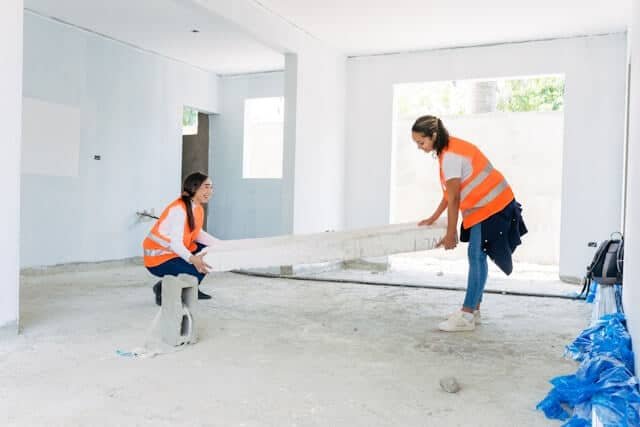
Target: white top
{"x": 456, "y": 166}
{"x": 173, "y": 228}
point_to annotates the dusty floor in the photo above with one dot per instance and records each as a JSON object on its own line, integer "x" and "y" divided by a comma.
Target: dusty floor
{"x": 276, "y": 352}
{"x": 422, "y": 269}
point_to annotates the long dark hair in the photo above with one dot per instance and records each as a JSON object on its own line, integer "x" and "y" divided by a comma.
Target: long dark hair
{"x": 430, "y": 125}
{"x": 189, "y": 188}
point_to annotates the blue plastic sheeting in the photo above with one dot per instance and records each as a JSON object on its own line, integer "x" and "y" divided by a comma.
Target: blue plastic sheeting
{"x": 608, "y": 337}
{"x": 591, "y": 295}
{"x": 604, "y": 380}
{"x": 595, "y": 288}
{"x": 618, "y": 290}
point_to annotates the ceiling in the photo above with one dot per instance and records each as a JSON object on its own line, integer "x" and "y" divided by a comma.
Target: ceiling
{"x": 164, "y": 27}
{"x": 360, "y": 27}
{"x": 355, "y": 27}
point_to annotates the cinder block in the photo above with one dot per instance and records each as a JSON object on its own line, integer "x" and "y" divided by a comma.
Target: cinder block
{"x": 179, "y": 299}
{"x": 286, "y": 270}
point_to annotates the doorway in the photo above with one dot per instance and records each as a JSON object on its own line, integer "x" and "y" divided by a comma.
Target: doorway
{"x": 195, "y": 146}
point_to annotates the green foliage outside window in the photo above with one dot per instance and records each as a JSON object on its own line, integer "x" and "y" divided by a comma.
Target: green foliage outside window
{"x": 189, "y": 121}
{"x": 537, "y": 94}
{"x": 446, "y": 98}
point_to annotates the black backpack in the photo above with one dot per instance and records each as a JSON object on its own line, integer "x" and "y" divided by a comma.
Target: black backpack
{"x": 606, "y": 266}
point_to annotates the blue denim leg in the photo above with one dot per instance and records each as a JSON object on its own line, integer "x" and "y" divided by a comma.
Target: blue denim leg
{"x": 478, "y": 269}
{"x": 176, "y": 266}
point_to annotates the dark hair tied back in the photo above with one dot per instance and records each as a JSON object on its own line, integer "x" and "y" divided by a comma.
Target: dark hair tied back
{"x": 191, "y": 184}
{"x": 430, "y": 126}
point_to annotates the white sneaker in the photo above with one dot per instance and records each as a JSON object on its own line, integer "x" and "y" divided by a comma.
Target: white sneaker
{"x": 477, "y": 317}
{"x": 457, "y": 322}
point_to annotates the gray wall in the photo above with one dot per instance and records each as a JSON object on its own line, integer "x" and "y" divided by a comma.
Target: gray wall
{"x": 243, "y": 208}
{"x": 130, "y": 104}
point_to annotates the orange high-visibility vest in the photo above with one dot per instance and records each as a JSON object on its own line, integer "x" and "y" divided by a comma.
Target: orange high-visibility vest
{"x": 484, "y": 193}
{"x": 156, "y": 246}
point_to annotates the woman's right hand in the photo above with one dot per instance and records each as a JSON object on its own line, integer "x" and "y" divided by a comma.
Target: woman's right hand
{"x": 199, "y": 264}
{"x": 429, "y": 221}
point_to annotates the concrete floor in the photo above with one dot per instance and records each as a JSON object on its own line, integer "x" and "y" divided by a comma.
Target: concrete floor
{"x": 278, "y": 352}
{"x": 422, "y": 268}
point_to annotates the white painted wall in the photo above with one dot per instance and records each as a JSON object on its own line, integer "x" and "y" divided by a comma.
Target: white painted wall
{"x": 10, "y": 122}
{"x": 631, "y": 290}
{"x": 510, "y": 140}
{"x": 242, "y": 208}
{"x": 594, "y": 127}
{"x": 50, "y": 138}
{"x": 130, "y": 105}
{"x": 289, "y": 155}
{"x": 310, "y": 196}
{"x": 315, "y": 86}
{"x": 319, "y": 176}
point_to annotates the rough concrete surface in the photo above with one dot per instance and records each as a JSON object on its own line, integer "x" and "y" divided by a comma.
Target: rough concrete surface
{"x": 264, "y": 252}
{"x": 177, "y": 320}
{"x": 276, "y": 352}
{"x": 430, "y": 268}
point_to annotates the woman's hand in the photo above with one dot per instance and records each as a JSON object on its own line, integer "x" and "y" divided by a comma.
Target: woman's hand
{"x": 199, "y": 264}
{"x": 450, "y": 241}
{"x": 429, "y": 221}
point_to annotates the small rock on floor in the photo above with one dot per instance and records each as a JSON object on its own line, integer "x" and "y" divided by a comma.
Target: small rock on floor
{"x": 450, "y": 385}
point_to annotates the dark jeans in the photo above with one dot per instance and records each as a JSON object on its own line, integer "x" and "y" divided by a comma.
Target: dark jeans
{"x": 176, "y": 266}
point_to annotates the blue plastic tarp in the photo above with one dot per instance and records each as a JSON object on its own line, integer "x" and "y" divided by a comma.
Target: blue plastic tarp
{"x": 604, "y": 381}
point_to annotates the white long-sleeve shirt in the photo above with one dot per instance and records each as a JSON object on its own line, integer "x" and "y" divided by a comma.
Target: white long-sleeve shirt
{"x": 173, "y": 228}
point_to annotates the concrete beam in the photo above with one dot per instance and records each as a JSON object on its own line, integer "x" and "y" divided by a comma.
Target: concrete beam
{"x": 322, "y": 247}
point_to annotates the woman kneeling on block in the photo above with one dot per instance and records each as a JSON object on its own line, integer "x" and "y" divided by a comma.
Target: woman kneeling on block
{"x": 170, "y": 247}
{"x": 491, "y": 217}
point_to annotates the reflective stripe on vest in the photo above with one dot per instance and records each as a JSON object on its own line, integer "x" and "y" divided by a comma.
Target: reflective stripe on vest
{"x": 479, "y": 179}
{"x": 156, "y": 252}
{"x": 156, "y": 247}
{"x": 159, "y": 240}
{"x": 482, "y": 194}
{"x": 487, "y": 199}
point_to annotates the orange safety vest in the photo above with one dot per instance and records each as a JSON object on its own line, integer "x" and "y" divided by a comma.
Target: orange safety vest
{"x": 484, "y": 193}
{"x": 156, "y": 245}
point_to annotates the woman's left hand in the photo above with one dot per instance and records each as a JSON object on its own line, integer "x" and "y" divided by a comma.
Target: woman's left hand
{"x": 450, "y": 241}
{"x": 199, "y": 263}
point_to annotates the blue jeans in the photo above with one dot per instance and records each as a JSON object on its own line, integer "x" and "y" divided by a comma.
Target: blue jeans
{"x": 478, "y": 269}
{"x": 176, "y": 266}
